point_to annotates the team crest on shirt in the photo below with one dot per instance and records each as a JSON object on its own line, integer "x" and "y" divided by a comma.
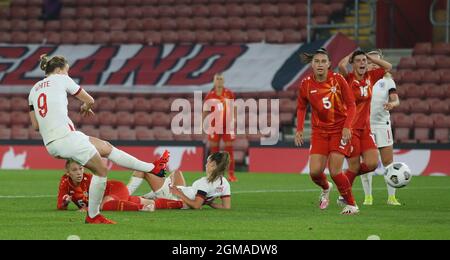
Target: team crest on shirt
{"x": 333, "y": 89}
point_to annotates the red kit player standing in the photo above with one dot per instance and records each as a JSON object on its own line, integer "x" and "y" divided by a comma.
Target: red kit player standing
{"x": 223, "y": 96}
{"x": 333, "y": 111}
{"x": 361, "y": 81}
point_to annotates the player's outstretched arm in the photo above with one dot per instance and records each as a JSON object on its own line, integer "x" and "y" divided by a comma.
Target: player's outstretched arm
{"x": 226, "y": 204}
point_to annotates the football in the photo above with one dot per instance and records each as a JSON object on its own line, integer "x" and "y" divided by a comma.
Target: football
{"x": 398, "y": 175}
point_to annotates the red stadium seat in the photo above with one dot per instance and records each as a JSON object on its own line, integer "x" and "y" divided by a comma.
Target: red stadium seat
{"x": 5, "y": 25}
{"x": 19, "y": 104}
{"x": 221, "y": 37}
{"x": 204, "y": 37}
{"x": 217, "y": 10}
{"x": 69, "y": 37}
{"x": 168, "y": 11}
{"x": 108, "y": 134}
{"x": 287, "y": 22}
{"x": 75, "y": 116}
{"x": 234, "y": 10}
{"x": 85, "y": 38}
{"x": 414, "y": 91}
{"x": 271, "y": 23}
{"x": 183, "y": 11}
{"x": 18, "y": 13}
{"x": 5, "y": 119}
{"x": 435, "y": 91}
{"x": 141, "y": 104}
{"x": 255, "y": 36}
{"x": 107, "y": 118}
{"x": 420, "y": 107}
{"x": 186, "y": 37}
{"x": 169, "y": 37}
{"x": 20, "y": 118}
{"x": 440, "y": 107}
{"x": 117, "y": 24}
{"x": 440, "y": 120}
{"x": 18, "y": 133}
{"x": 143, "y": 119}
{"x": 442, "y": 62}
{"x": 35, "y": 25}
{"x": 285, "y": 9}
{"x": 105, "y": 104}
{"x": 84, "y": 12}
{"x": 135, "y": 37}
{"x": 153, "y": 38}
{"x": 236, "y": 23}
{"x": 293, "y": 36}
{"x": 238, "y": 36}
{"x": 19, "y": 37}
{"x": 134, "y": 24}
{"x": 124, "y": 104}
{"x": 52, "y": 25}
{"x": 422, "y": 121}
{"x": 5, "y": 133}
{"x": 407, "y": 63}
{"x": 219, "y": 23}
{"x": 163, "y": 134}
{"x": 184, "y": 23}
{"x": 254, "y": 23}
{"x": 133, "y": 12}
{"x": 117, "y": 12}
{"x": 269, "y": 9}
{"x": 441, "y": 135}
{"x": 168, "y": 23}
{"x": 101, "y": 37}
{"x": 423, "y": 135}
{"x": 118, "y": 2}
{"x": 5, "y": 37}
{"x": 441, "y": 49}
{"x": 426, "y": 63}
{"x": 127, "y": 135}
{"x": 252, "y": 10}
{"x": 160, "y": 119}
{"x": 422, "y": 49}
{"x": 124, "y": 119}
{"x": 403, "y": 121}
{"x": 402, "y": 135}
{"x": 144, "y": 134}
{"x": 202, "y": 23}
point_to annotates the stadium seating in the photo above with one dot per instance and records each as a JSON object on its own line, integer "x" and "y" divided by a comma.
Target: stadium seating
{"x": 142, "y": 21}
{"x": 423, "y": 86}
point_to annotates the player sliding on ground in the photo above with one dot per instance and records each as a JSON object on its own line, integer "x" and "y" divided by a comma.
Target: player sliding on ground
{"x": 361, "y": 81}
{"x": 74, "y": 186}
{"x": 333, "y": 111}
{"x": 172, "y": 193}
{"x": 48, "y": 112}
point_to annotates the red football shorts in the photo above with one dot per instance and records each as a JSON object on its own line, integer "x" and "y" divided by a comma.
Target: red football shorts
{"x": 117, "y": 190}
{"x": 324, "y": 144}
{"x": 362, "y": 141}
{"x": 217, "y": 137}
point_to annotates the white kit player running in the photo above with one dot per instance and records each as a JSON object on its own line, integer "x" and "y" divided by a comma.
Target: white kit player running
{"x": 384, "y": 99}
{"x": 49, "y": 115}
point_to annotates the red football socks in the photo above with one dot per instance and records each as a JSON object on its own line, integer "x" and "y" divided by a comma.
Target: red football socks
{"x": 121, "y": 205}
{"x": 344, "y": 187}
{"x": 230, "y": 150}
{"x": 168, "y": 204}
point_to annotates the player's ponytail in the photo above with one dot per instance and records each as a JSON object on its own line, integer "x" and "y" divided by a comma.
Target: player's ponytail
{"x": 44, "y": 61}
{"x": 308, "y": 57}
{"x": 222, "y": 160}
{"x": 48, "y": 65}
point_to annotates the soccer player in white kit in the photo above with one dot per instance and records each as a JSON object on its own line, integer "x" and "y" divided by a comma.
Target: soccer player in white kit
{"x": 49, "y": 115}
{"x": 205, "y": 190}
{"x": 384, "y": 99}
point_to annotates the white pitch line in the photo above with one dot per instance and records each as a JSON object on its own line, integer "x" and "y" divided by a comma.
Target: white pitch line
{"x": 239, "y": 192}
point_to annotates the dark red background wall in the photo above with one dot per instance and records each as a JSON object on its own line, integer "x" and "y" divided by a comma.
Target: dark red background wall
{"x": 403, "y": 23}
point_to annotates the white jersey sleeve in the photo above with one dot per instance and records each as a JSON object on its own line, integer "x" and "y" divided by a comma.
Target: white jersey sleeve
{"x": 49, "y": 100}
{"x": 381, "y": 91}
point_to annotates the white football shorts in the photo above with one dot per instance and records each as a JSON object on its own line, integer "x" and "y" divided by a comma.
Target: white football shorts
{"x": 383, "y": 136}
{"x": 75, "y": 146}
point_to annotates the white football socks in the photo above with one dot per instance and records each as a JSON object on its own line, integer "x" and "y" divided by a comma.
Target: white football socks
{"x": 96, "y": 193}
{"x": 134, "y": 184}
{"x": 391, "y": 190}
{"x": 125, "y": 160}
{"x": 366, "y": 181}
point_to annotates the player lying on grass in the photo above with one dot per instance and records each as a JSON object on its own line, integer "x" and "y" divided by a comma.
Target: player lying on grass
{"x": 171, "y": 192}
{"x": 49, "y": 115}
{"x": 74, "y": 186}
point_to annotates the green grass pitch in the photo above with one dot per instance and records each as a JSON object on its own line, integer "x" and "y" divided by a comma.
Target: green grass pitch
{"x": 265, "y": 206}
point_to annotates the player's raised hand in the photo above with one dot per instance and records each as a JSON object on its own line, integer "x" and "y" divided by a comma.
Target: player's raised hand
{"x": 299, "y": 138}
{"x": 346, "y": 135}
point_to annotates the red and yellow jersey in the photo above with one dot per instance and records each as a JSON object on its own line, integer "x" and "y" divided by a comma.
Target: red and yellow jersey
{"x": 79, "y": 194}
{"x": 332, "y": 103}
{"x": 362, "y": 90}
{"x": 222, "y": 104}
